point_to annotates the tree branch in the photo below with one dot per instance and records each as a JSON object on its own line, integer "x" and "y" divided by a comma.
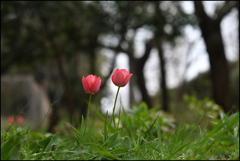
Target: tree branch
{"x": 147, "y": 52}
{"x": 199, "y": 11}
{"x": 225, "y": 9}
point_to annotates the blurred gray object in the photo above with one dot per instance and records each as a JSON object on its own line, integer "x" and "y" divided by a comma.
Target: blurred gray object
{"x": 23, "y": 93}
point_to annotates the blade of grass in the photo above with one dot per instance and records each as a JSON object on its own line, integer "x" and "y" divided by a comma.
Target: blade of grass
{"x": 105, "y": 129}
{"x": 119, "y": 114}
{"x": 131, "y": 132}
{"x": 123, "y": 126}
{"x": 82, "y": 131}
{"x": 94, "y": 139}
{"x": 79, "y": 137}
{"x": 159, "y": 132}
{"x": 139, "y": 134}
{"x": 151, "y": 126}
{"x": 106, "y": 154}
{"x": 233, "y": 119}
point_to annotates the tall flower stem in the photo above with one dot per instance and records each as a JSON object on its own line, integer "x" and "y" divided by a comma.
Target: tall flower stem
{"x": 89, "y": 102}
{"x": 115, "y": 106}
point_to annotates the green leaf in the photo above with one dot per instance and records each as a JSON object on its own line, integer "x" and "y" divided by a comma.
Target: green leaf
{"x": 79, "y": 135}
{"x": 126, "y": 142}
{"x": 111, "y": 141}
{"x": 44, "y": 143}
{"x": 10, "y": 149}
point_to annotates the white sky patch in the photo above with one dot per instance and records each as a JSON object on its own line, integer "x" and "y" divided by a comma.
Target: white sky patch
{"x": 188, "y": 7}
{"x": 210, "y": 6}
{"x": 142, "y": 35}
{"x": 229, "y": 29}
{"x": 152, "y": 73}
{"x": 105, "y": 67}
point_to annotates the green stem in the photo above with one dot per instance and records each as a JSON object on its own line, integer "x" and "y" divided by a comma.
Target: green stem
{"x": 89, "y": 102}
{"x": 115, "y": 106}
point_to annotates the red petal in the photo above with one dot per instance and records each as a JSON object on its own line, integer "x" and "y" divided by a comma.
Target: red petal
{"x": 96, "y": 85}
{"x": 85, "y": 84}
{"x": 124, "y": 72}
{"x": 127, "y": 79}
{"x": 118, "y": 77}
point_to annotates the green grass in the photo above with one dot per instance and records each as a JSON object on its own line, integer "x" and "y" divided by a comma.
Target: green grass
{"x": 140, "y": 134}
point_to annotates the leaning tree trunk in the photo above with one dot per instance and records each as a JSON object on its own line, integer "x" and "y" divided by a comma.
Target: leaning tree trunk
{"x": 140, "y": 76}
{"x": 211, "y": 34}
{"x": 137, "y": 68}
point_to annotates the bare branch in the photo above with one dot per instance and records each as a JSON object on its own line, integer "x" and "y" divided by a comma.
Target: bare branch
{"x": 225, "y": 9}
{"x": 199, "y": 11}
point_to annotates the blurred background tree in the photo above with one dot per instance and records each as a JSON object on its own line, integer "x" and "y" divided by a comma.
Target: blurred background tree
{"x": 211, "y": 33}
{"x": 59, "y": 42}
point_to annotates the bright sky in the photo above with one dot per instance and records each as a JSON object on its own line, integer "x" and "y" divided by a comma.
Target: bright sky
{"x": 197, "y": 56}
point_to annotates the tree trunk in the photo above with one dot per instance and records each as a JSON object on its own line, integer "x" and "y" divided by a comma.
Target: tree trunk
{"x": 59, "y": 62}
{"x": 211, "y": 34}
{"x": 140, "y": 76}
{"x": 142, "y": 86}
{"x": 163, "y": 85}
{"x": 137, "y": 65}
{"x": 132, "y": 81}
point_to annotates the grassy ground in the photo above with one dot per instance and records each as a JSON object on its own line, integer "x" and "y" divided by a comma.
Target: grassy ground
{"x": 140, "y": 134}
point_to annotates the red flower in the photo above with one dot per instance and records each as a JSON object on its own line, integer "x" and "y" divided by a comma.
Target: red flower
{"x": 10, "y": 120}
{"x": 19, "y": 119}
{"x": 121, "y": 77}
{"x": 91, "y": 84}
